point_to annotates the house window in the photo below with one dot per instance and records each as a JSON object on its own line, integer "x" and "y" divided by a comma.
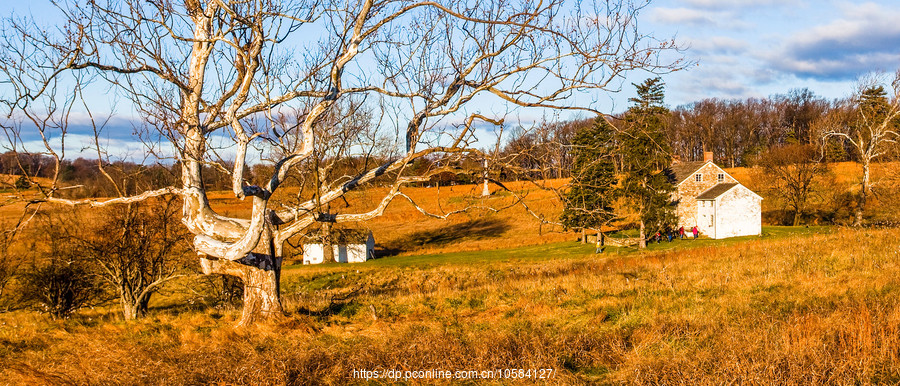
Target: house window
{"x": 698, "y": 177}
{"x": 721, "y": 177}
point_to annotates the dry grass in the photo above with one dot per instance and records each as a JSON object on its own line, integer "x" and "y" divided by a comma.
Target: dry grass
{"x": 816, "y": 309}
{"x": 404, "y": 230}
{"x": 811, "y": 309}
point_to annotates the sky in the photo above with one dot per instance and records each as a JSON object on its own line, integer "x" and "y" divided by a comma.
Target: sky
{"x": 737, "y": 49}
{"x": 758, "y": 48}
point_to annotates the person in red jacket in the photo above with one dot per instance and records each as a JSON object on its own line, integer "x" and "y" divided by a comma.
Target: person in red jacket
{"x": 695, "y": 231}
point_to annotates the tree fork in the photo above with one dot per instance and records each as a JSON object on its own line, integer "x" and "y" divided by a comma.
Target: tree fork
{"x": 260, "y": 271}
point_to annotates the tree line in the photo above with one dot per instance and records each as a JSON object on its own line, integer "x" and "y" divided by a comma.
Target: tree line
{"x": 736, "y": 131}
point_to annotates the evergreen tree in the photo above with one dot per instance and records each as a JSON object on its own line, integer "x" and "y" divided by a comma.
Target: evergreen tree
{"x": 589, "y": 201}
{"x": 873, "y": 105}
{"x": 646, "y": 157}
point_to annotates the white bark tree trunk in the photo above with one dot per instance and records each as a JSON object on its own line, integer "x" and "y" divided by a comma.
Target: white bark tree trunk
{"x": 643, "y": 242}
{"x": 260, "y": 271}
{"x": 134, "y": 307}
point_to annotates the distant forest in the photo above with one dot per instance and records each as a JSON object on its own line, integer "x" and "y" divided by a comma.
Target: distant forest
{"x": 736, "y": 131}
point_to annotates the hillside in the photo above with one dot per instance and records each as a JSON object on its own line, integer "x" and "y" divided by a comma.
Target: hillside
{"x": 805, "y": 308}
{"x": 404, "y": 230}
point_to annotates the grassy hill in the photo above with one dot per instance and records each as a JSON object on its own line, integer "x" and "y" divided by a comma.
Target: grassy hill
{"x": 797, "y": 306}
{"x": 495, "y": 290}
{"x": 404, "y": 230}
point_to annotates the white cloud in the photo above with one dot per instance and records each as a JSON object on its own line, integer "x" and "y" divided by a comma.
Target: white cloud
{"x": 732, "y": 4}
{"x": 693, "y": 17}
{"x": 718, "y": 45}
{"x": 866, "y": 38}
{"x": 682, "y": 16}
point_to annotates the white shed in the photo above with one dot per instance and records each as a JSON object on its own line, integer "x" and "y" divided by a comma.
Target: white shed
{"x": 729, "y": 210}
{"x": 346, "y": 250}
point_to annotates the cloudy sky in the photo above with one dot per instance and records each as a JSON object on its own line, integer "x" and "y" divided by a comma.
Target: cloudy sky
{"x": 756, "y": 48}
{"x": 740, "y": 49}
{"x": 751, "y": 48}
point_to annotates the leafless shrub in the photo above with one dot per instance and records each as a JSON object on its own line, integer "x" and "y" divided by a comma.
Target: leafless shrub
{"x": 60, "y": 286}
{"x": 135, "y": 250}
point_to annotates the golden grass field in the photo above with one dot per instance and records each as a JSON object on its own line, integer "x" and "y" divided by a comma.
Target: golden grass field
{"x": 484, "y": 291}
{"x": 404, "y": 230}
{"x": 819, "y": 307}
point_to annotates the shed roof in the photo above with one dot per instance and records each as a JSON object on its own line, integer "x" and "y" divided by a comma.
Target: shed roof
{"x": 716, "y": 191}
{"x": 683, "y": 170}
{"x": 341, "y": 236}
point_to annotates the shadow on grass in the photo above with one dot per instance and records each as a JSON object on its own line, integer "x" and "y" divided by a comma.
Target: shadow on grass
{"x": 332, "y": 308}
{"x": 478, "y": 229}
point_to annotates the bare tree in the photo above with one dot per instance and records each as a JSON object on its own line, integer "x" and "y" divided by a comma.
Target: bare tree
{"x": 268, "y": 74}
{"x": 9, "y": 266}
{"x": 60, "y": 283}
{"x": 790, "y": 172}
{"x": 135, "y": 249}
{"x": 871, "y": 129}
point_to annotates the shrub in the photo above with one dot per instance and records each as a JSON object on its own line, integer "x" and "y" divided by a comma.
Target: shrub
{"x": 60, "y": 287}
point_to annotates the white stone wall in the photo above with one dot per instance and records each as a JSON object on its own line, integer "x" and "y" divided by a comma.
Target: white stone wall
{"x": 738, "y": 213}
{"x": 313, "y": 254}
{"x": 349, "y": 253}
{"x": 706, "y": 218}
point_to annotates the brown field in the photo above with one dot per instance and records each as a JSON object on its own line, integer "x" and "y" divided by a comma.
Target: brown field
{"x": 813, "y": 309}
{"x": 404, "y": 230}
{"x": 798, "y": 306}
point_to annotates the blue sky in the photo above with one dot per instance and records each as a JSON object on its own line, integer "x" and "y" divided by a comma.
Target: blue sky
{"x": 749, "y": 48}
{"x": 741, "y": 49}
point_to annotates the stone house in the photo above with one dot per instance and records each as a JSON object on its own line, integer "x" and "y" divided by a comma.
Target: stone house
{"x": 711, "y": 199}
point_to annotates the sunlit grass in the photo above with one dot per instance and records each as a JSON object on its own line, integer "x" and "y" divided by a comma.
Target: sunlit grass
{"x": 795, "y": 306}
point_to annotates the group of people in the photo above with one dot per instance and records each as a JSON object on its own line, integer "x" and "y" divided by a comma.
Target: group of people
{"x": 672, "y": 234}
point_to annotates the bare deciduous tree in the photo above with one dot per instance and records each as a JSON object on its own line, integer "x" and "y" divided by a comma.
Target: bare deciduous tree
{"x": 60, "y": 283}
{"x": 268, "y": 74}
{"x": 790, "y": 172}
{"x": 871, "y": 129}
{"x": 135, "y": 249}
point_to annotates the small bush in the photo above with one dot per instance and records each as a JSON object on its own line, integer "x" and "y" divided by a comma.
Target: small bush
{"x": 60, "y": 288}
{"x": 8, "y": 269}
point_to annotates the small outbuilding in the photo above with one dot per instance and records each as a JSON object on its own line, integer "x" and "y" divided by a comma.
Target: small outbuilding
{"x": 349, "y": 246}
{"x": 729, "y": 210}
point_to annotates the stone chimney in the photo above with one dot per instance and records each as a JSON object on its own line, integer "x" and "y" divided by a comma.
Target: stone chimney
{"x": 707, "y": 156}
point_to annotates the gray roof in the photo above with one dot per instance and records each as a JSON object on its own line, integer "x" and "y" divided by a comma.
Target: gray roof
{"x": 683, "y": 170}
{"x": 716, "y": 191}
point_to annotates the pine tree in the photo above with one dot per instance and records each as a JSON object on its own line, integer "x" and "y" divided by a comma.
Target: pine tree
{"x": 646, "y": 157}
{"x": 589, "y": 201}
